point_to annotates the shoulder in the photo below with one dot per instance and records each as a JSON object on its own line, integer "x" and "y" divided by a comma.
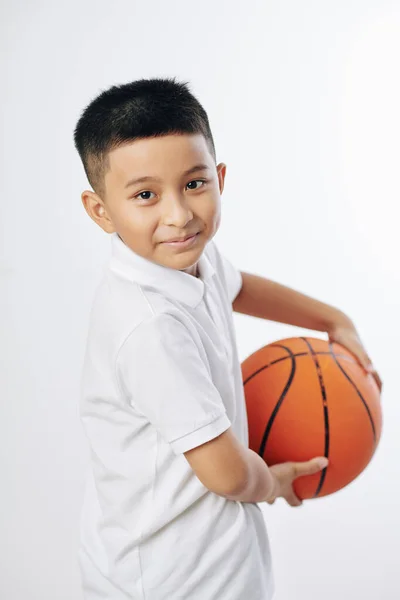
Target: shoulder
{"x": 160, "y": 332}
{"x": 121, "y": 307}
{"x": 164, "y": 348}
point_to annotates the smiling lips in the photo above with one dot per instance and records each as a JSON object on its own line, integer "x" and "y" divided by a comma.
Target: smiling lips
{"x": 182, "y": 239}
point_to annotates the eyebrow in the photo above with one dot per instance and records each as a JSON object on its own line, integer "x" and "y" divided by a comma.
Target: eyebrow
{"x": 200, "y": 167}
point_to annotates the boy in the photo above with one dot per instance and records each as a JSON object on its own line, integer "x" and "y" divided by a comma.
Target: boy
{"x": 170, "y": 509}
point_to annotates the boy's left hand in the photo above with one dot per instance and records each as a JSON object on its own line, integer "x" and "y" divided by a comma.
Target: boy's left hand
{"x": 346, "y": 335}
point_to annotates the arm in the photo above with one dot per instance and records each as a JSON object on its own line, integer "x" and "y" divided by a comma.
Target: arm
{"x": 231, "y": 470}
{"x": 227, "y": 468}
{"x": 266, "y": 299}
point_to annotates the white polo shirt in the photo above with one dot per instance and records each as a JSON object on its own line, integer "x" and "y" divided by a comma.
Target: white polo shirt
{"x": 162, "y": 375}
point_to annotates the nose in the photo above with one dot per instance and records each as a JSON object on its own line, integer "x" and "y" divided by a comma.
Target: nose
{"x": 176, "y": 211}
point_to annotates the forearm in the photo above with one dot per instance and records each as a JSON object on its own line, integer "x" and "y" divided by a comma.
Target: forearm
{"x": 266, "y": 299}
{"x": 259, "y": 484}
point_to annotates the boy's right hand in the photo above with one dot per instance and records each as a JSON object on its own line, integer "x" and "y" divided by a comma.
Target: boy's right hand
{"x": 285, "y": 473}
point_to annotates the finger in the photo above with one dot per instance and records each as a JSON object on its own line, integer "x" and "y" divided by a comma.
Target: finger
{"x": 378, "y": 380}
{"x": 356, "y": 347}
{"x": 310, "y": 467}
{"x": 292, "y": 499}
{"x": 363, "y": 358}
{"x": 370, "y": 366}
{"x": 371, "y": 369}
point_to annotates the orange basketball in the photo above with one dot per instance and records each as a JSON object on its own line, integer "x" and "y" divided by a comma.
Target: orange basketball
{"x": 307, "y": 397}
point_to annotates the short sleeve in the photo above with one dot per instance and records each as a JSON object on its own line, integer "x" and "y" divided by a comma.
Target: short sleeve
{"x": 161, "y": 370}
{"x": 233, "y": 277}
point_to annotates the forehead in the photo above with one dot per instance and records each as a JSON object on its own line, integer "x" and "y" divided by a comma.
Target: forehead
{"x": 161, "y": 157}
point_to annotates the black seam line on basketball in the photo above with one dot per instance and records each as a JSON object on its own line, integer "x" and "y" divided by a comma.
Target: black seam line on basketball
{"x": 281, "y": 399}
{"x": 326, "y": 414}
{"x": 371, "y": 420}
{"x": 277, "y": 360}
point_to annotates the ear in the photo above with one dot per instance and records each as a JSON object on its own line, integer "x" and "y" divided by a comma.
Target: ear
{"x": 97, "y": 211}
{"x": 221, "y": 172}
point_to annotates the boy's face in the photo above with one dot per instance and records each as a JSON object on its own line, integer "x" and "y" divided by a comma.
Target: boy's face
{"x": 169, "y": 204}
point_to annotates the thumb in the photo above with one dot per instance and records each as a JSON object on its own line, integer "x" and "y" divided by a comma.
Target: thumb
{"x": 366, "y": 363}
{"x": 310, "y": 466}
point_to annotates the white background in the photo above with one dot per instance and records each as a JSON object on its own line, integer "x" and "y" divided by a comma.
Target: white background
{"x": 303, "y": 100}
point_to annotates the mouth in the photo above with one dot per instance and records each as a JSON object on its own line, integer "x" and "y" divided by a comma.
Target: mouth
{"x": 185, "y": 242}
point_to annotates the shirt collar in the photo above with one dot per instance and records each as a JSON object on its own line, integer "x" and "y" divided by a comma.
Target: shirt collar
{"x": 171, "y": 282}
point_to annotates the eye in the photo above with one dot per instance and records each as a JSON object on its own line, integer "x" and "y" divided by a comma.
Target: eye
{"x": 195, "y": 181}
{"x": 141, "y": 193}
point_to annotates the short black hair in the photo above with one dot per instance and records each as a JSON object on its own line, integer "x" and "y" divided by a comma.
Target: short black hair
{"x": 144, "y": 108}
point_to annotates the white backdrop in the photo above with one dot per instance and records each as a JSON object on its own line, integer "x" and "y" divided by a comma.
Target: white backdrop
{"x": 303, "y": 100}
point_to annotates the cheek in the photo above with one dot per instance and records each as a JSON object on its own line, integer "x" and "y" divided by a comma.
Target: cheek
{"x": 136, "y": 226}
{"x": 212, "y": 207}
{"x": 216, "y": 214}
{"x": 136, "y": 217}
